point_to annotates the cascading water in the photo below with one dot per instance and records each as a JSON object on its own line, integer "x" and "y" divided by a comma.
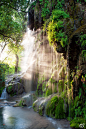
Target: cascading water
{"x": 28, "y": 59}
{"x": 27, "y": 56}
{"x": 4, "y": 94}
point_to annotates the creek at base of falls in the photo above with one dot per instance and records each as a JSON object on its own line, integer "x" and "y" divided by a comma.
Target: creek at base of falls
{"x": 24, "y": 118}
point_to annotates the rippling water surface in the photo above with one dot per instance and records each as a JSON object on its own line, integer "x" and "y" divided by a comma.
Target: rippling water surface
{"x": 14, "y": 118}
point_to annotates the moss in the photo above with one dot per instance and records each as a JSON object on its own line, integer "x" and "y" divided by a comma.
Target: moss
{"x": 20, "y": 104}
{"x": 60, "y": 86}
{"x": 34, "y": 107}
{"x": 64, "y": 95}
{"x": 55, "y": 108}
{"x": 59, "y": 112}
{"x": 41, "y": 110}
{"x": 48, "y": 92}
{"x": 51, "y": 106}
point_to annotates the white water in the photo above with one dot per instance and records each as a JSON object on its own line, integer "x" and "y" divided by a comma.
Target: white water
{"x": 4, "y": 94}
{"x": 27, "y": 55}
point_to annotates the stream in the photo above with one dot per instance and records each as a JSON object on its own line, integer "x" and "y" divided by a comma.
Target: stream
{"x": 26, "y": 118}
{"x": 14, "y": 118}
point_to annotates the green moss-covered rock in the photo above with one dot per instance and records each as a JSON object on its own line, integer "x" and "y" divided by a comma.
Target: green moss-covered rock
{"x": 51, "y": 106}
{"x": 55, "y": 108}
{"x": 19, "y": 104}
{"x": 34, "y": 107}
{"x": 59, "y": 111}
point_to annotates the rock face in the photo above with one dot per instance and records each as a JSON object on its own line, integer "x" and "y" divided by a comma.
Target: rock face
{"x": 48, "y": 63}
{"x": 27, "y": 100}
{"x": 15, "y": 86}
{"x": 40, "y": 104}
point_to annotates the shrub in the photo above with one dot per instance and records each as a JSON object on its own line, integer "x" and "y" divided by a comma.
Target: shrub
{"x": 55, "y": 28}
{"x": 77, "y": 121}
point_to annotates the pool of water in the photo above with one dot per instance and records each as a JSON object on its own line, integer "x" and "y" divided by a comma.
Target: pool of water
{"x": 14, "y": 118}
{"x": 24, "y": 118}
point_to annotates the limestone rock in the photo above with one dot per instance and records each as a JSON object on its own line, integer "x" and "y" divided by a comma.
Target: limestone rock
{"x": 15, "y": 86}
{"x": 40, "y": 104}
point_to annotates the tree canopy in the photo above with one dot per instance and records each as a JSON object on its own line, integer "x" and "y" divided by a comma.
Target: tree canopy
{"x": 12, "y": 23}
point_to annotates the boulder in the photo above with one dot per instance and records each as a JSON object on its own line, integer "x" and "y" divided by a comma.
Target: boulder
{"x": 40, "y": 104}
{"x": 15, "y": 86}
{"x": 27, "y": 100}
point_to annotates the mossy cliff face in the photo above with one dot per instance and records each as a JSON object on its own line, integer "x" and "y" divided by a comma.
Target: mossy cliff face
{"x": 64, "y": 28}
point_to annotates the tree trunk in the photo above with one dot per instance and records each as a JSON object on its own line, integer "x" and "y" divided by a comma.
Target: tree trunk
{"x": 17, "y": 61}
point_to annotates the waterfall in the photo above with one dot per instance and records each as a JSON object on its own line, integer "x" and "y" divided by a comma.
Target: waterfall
{"x": 28, "y": 59}
{"x": 27, "y": 55}
{"x": 4, "y": 94}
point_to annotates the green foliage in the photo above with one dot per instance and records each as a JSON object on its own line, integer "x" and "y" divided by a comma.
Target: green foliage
{"x": 41, "y": 85}
{"x": 58, "y": 15}
{"x": 9, "y": 88}
{"x": 84, "y": 111}
{"x": 47, "y": 6}
{"x": 6, "y": 69}
{"x": 64, "y": 95}
{"x": 48, "y": 92}
{"x": 78, "y": 108}
{"x": 2, "y": 76}
{"x": 34, "y": 97}
{"x": 20, "y": 104}
{"x": 77, "y": 121}
{"x": 55, "y": 28}
{"x": 51, "y": 106}
{"x": 34, "y": 107}
{"x": 83, "y": 45}
{"x": 55, "y": 108}
{"x": 60, "y": 86}
{"x": 83, "y": 41}
{"x": 84, "y": 55}
{"x": 59, "y": 112}
{"x": 12, "y": 23}
{"x": 41, "y": 110}
{"x": 59, "y": 4}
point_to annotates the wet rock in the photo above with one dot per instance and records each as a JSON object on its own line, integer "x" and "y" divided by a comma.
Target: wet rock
{"x": 15, "y": 86}
{"x": 40, "y": 104}
{"x": 27, "y": 100}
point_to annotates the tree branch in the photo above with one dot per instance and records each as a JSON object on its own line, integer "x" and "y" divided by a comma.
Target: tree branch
{"x": 5, "y": 36}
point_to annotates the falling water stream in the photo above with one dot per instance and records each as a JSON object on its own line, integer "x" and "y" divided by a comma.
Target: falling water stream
{"x": 27, "y": 55}
{"x": 4, "y": 94}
